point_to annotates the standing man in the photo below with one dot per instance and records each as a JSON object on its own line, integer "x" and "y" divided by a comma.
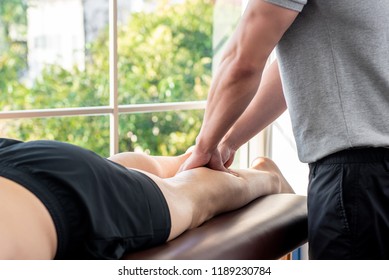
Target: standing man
{"x": 332, "y": 73}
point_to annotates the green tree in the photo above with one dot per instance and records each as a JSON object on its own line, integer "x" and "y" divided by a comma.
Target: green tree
{"x": 164, "y": 56}
{"x": 13, "y": 51}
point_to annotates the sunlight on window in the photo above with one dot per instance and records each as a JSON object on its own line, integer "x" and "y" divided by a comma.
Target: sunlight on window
{"x": 48, "y": 61}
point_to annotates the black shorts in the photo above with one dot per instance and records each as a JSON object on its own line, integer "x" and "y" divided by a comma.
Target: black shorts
{"x": 348, "y": 205}
{"x": 100, "y": 209}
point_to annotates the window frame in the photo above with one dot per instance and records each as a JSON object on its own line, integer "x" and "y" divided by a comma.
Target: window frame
{"x": 254, "y": 148}
{"x": 114, "y": 110}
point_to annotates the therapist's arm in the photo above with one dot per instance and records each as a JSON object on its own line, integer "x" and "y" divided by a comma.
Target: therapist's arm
{"x": 267, "y": 105}
{"x": 238, "y": 77}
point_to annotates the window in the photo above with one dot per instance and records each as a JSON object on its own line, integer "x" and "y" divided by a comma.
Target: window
{"x": 131, "y": 78}
{"x": 100, "y": 77}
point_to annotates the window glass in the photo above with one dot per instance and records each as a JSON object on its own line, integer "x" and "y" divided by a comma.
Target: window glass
{"x": 159, "y": 133}
{"x": 164, "y": 50}
{"x": 53, "y": 53}
{"x": 91, "y": 132}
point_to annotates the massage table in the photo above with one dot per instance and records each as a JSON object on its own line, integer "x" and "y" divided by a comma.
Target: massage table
{"x": 269, "y": 228}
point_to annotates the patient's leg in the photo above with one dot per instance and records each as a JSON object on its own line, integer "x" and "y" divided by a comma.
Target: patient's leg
{"x": 196, "y": 195}
{"x": 161, "y": 166}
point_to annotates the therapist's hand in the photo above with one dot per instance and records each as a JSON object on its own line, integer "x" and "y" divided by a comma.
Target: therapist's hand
{"x": 227, "y": 154}
{"x": 211, "y": 160}
{"x": 220, "y": 159}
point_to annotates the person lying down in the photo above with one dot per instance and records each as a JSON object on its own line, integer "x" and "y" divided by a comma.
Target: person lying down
{"x": 60, "y": 201}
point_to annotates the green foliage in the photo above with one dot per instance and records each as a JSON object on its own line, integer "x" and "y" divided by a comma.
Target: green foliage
{"x": 13, "y": 12}
{"x": 13, "y": 53}
{"x": 164, "y": 56}
{"x": 167, "y": 54}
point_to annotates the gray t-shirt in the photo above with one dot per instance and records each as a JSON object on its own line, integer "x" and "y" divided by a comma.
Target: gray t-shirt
{"x": 334, "y": 65}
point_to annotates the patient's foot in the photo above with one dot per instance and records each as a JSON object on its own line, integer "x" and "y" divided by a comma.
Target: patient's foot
{"x": 266, "y": 164}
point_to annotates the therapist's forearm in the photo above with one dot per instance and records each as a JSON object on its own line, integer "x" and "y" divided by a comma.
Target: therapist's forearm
{"x": 228, "y": 98}
{"x": 240, "y": 71}
{"x": 267, "y": 105}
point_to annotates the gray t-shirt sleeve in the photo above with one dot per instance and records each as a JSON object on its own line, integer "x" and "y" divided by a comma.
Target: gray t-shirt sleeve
{"x": 296, "y": 5}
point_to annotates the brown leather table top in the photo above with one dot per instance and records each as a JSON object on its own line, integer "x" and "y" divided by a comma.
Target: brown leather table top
{"x": 268, "y": 228}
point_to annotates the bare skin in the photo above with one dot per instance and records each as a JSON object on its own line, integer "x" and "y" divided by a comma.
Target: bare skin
{"x": 26, "y": 228}
{"x": 195, "y": 196}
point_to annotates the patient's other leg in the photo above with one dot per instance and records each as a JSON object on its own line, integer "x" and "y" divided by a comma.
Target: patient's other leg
{"x": 197, "y": 195}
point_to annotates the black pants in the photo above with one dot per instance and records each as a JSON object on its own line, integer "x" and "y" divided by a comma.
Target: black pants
{"x": 100, "y": 209}
{"x": 348, "y": 205}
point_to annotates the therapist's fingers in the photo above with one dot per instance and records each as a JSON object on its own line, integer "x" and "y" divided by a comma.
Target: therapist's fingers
{"x": 194, "y": 160}
{"x": 216, "y": 163}
{"x": 227, "y": 156}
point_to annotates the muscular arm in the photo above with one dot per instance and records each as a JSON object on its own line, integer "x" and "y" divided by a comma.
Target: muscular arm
{"x": 267, "y": 105}
{"x": 239, "y": 75}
